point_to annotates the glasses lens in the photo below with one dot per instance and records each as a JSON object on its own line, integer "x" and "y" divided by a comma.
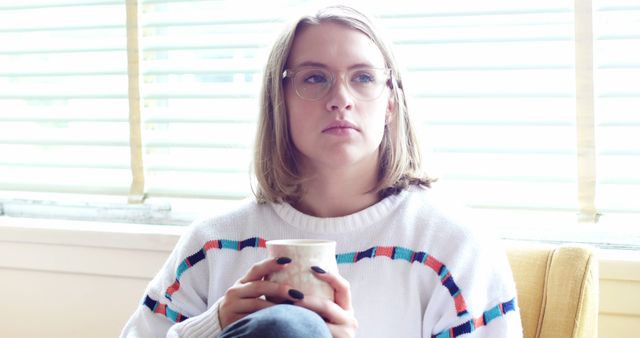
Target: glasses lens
{"x": 367, "y": 84}
{"x": 363, "y": 83}
{"x": 312, "y": 83}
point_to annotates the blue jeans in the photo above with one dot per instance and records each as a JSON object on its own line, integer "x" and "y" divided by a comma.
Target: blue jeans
{"x": 278, "y": 321}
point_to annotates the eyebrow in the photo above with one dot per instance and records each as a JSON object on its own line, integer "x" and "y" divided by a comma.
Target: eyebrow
{"x": 322, "y": 65}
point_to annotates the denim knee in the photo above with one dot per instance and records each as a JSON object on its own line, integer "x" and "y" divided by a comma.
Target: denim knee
{"x": 279, "y": 321}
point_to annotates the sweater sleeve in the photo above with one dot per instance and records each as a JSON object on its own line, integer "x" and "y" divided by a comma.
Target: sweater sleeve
{"x": 477, "y": 294}
{"x": 478, "y": 303}
{"x": 175, "y": 302}
{"x": 206, "y": 324}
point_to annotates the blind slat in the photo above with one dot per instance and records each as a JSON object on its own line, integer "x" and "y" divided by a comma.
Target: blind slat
{"x": 39, "y": 4}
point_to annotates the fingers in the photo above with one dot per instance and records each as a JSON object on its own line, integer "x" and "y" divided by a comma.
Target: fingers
{"x": 252, "y": 293}
{"x": 264, "y": 288}
{"x": 265, "y": 267}
{"x": 339, "y": 313}
{"x": 339, "y": 331}
{"x": 341, "y": 323}
{"x": 328, "y": 310}
{"x": 242, "y": 307}
{"x": 243, "y": 299}
{"x": 253, "y": 285}
{"x": 341, "y": 286}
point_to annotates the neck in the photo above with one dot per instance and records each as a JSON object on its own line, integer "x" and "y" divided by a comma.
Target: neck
{"x": 338, "y": 193}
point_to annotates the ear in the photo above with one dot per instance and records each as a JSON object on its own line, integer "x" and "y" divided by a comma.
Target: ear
{"x": 391, "y": 109}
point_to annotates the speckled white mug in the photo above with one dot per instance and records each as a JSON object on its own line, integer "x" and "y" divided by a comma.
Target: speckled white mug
{"x": 304, "y": 254}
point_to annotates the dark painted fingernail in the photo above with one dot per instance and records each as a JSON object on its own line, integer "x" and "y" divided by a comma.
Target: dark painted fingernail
{"x": 317, "y": 269}
{"x": 296, "y": 294}
{"x": 283, "y": 260}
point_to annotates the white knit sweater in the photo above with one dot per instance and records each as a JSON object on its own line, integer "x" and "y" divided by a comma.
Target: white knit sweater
{"x": 414, "y": 271}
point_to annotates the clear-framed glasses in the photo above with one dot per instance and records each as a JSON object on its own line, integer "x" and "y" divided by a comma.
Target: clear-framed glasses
{"x": 313, "y": 83}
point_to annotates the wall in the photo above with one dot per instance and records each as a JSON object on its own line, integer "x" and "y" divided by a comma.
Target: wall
{"x": 70, "y": 279}
{"x": 619, "y": 295}
{"x": 78, "y": 280}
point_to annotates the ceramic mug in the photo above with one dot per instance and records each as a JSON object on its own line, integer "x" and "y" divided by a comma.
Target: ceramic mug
{"x": 304, "y": 253}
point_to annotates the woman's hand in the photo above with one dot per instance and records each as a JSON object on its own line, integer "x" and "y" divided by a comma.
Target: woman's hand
{"x": 245, "y": 296}
{"x": 339, "y": 313}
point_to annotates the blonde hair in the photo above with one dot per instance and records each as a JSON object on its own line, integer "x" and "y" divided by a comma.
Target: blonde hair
{"x": 275, "y": 168}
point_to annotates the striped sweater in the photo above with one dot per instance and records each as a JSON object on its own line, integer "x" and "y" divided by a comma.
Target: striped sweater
{"x": 415, "y": 268}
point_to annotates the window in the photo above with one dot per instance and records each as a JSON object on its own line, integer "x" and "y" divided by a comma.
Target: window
{"x": 63, "y": 97}
{"x": 525, "y": 105}
{"x": 617, "y": 101}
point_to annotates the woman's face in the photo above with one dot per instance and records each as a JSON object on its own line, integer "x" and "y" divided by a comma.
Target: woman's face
{"x": 338, "y": 130}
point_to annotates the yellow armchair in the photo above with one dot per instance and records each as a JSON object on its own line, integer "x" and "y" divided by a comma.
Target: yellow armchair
{"x": 557, "y": 289}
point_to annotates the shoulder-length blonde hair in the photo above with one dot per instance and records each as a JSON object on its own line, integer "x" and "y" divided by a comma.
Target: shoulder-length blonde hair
{"x": 275, "y": 167}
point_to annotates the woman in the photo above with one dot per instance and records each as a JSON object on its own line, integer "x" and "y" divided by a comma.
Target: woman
{"x": 336, "y": 158}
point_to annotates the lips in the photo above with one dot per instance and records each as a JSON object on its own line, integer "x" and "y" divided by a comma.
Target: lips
{"x": 339, "y": 126}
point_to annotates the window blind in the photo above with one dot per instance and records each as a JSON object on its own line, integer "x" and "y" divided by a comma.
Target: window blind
{"x": 202, "y": 68}
{"x": 617, "y": 98}
{"x": 492, "y": 88}
{"x": 63, "y": 97}
{"x": 486, "y": 83}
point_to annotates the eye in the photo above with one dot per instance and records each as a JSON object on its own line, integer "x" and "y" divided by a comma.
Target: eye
{"x": 314, "y": 78}
{"x": 363, "y": 77}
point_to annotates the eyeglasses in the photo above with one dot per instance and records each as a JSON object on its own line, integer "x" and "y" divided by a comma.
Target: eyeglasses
{"x": 313, "y": 83}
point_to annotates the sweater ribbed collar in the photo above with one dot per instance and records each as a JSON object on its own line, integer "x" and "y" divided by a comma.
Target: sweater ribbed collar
{"x": 355, "y": 221}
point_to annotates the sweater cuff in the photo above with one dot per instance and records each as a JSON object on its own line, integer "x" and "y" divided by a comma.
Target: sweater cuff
{"x": 206, "y": 324}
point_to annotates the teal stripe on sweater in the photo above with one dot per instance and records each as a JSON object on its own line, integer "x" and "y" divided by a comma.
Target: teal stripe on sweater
{"x": 403, "y": 253}
{"x": 346, "y": 258}
{"x": 227, "y": 244}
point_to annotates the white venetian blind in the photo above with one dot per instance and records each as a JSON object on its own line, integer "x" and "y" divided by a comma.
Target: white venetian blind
{"x": 493, "y": 83}
{"x": 617, "y": 71}
{"x": 495, "y": 89}
{"x": 63, "y": 97}
{"x": 202, "y": 65}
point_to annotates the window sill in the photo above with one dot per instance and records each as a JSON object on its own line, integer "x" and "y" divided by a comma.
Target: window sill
{"x": 120, "y": 239}
{"x": 612, "y": 232}
{"x": 86, "y": 233}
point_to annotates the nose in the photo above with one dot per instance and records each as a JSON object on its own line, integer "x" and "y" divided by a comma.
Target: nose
{"x": 339, "y": 97}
